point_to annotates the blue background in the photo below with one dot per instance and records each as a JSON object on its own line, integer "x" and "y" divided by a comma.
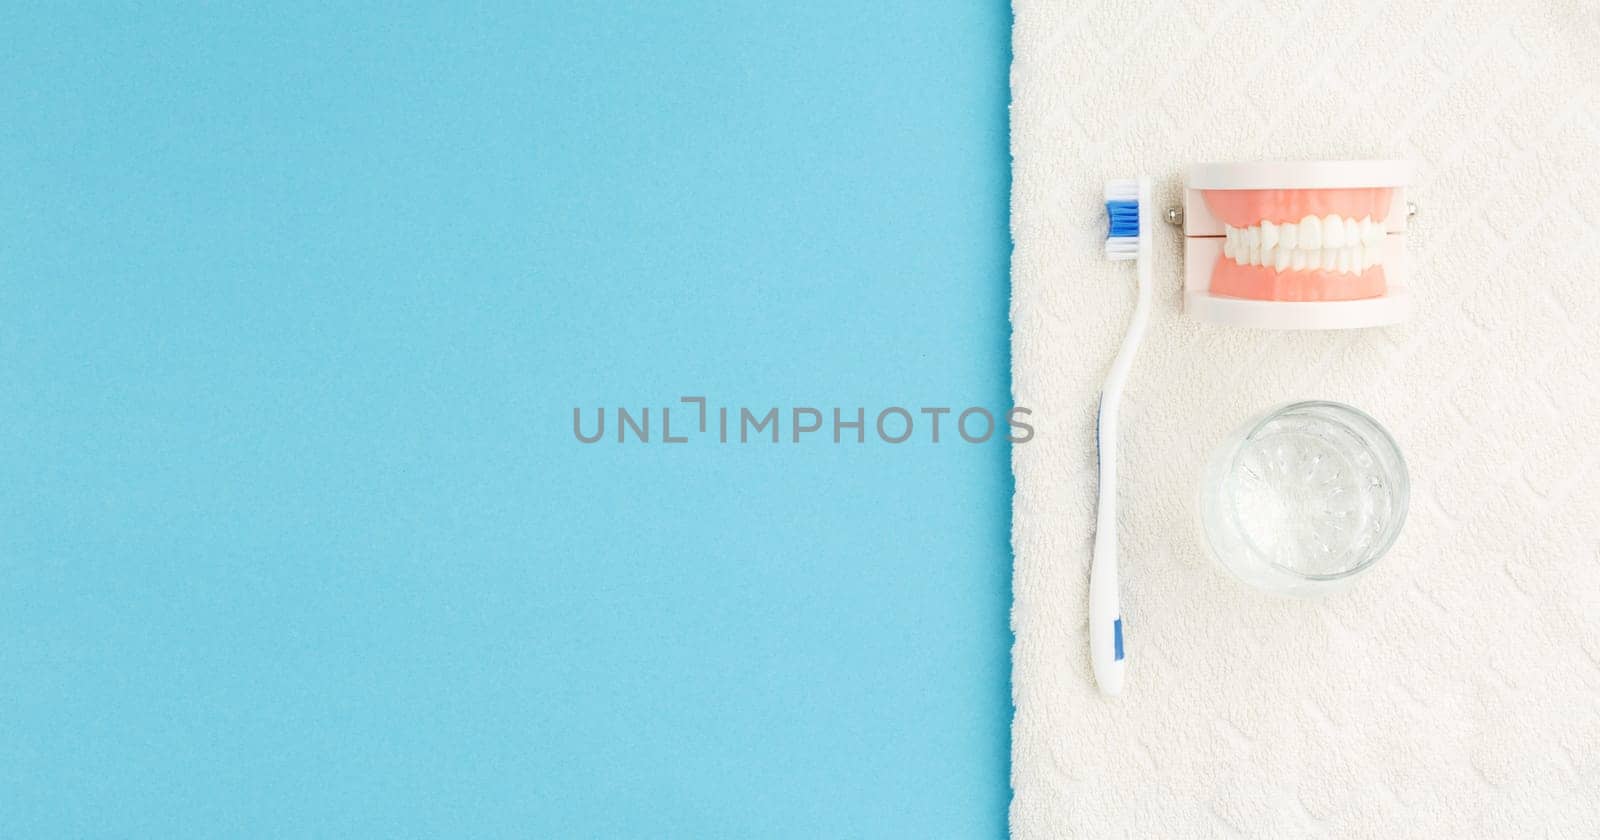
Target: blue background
{"x": 295, "y": 305}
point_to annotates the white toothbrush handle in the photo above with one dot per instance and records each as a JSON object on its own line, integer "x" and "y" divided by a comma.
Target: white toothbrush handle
{"x": 1105, "y": 612}
{"x": 1106, "y": 644}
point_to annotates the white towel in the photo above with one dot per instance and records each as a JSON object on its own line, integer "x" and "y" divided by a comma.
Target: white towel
{"x": 1455, "y": 691}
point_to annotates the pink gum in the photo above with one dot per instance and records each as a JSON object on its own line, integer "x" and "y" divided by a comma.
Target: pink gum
{"x": 1244, "y": 208}
{"x": 1260, "y": 282}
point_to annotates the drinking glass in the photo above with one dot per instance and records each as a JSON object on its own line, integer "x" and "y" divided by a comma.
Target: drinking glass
{"x": 1303, "y": 498}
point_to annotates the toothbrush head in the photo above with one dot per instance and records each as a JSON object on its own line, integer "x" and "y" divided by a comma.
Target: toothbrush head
{"x": 1122, "y": 206}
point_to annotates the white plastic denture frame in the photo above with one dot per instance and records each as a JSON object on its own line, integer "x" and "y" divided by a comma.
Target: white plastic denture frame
{"x": 1382, "y": 242}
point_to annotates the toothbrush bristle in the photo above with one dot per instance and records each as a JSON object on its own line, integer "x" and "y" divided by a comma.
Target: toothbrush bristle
{"x": 1123, "y": 189}
{"x": 1122, "y": 206}
{"x": 1122, "y": 248}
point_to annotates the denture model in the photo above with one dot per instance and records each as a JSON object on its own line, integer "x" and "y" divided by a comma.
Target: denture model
{"x": 1297, "y": 245}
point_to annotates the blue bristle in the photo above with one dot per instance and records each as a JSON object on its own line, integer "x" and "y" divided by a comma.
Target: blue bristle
{"x": 1124, "y": 217}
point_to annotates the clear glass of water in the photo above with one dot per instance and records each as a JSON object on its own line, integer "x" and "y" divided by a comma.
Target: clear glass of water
{"x": 1303, "y": 498}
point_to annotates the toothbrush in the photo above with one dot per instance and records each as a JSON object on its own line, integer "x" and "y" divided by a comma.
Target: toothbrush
{"x": 1128, "y": 204}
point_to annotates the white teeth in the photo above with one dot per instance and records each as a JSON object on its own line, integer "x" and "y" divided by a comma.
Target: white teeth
{"x": 1311, "y": 233}
{"x": 1332, "y": 231}
{"x": 1327, "y": 243}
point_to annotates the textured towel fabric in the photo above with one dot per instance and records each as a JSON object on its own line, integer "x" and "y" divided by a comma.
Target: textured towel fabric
{"x": 1455, "y": 691}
